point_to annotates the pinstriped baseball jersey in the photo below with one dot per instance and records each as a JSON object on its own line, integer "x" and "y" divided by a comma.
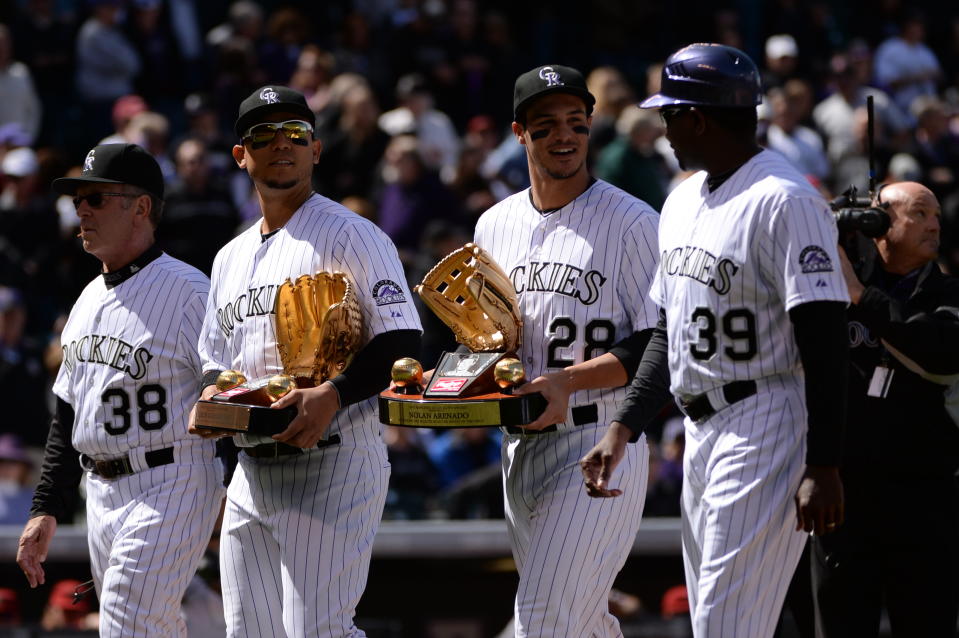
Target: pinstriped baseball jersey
{"x": 238, "y": 330}
{"x": 130, "y": 364}
{"x": 273, "y": 582}
{"x": 733, "y": 262}
{"x": 581, "y": 274}
{"x": 131, "y": 371}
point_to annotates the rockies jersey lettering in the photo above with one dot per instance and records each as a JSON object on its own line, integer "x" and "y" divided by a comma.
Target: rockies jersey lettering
{"x": 255, "y": 302}
{"x": 699, "y": 264}
{"x": 734, "y": 262}
{"x": 564, "y": 279}
{"x": 115, "y": 353}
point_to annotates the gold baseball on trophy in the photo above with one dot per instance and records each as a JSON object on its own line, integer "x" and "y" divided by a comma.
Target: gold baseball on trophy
{"x": 509, "y": 373}
{"x": 407, "y": 372}
{"x": 279, "y": 385}
{"x": 229, "y": 379}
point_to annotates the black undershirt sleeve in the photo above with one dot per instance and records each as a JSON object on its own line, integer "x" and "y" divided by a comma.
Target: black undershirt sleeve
{"x": 649, "y": 390}
{"x": 630, "y": 351}
{"x": 60, "y": 473}
{"x": 209, "y": 378}
{"x": 822, "y": 338}
{"x": 369, "y": 372}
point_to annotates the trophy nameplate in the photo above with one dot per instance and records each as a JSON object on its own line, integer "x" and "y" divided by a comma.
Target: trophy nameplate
{"x": 462, "y": 393}
{"x": 485, "y": 410}
{"x": 244, "y": 409}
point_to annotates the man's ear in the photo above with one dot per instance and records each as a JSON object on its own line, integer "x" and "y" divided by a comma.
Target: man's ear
{"x": 518, "y": 131}
{"x": 317, "y": 150}
{"x": 144, "y": 206}
{"x": 700, "y": 121}
{"x": 239, "y": 156}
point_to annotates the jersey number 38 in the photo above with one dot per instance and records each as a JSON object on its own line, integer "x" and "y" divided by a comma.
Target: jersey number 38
{"x": 150, "y": 408}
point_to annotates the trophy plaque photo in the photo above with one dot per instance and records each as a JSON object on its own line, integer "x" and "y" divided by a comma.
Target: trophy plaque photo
{"x": 475, "y": 298}
{"x": 318, "y": 329}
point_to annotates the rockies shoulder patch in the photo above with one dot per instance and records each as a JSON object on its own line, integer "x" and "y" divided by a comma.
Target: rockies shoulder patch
{"x": 387, "y": 291}
{"x": 814, "y": 259}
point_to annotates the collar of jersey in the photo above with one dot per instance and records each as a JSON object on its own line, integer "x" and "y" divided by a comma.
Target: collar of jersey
{"x": 117, "y": 277}
{"x": 550, "y": 211}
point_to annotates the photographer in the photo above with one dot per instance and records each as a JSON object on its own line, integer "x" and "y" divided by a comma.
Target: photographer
{"x": 899, "y": 540}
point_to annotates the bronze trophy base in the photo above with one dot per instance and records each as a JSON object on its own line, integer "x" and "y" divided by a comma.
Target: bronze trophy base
{"x": 244, "y": 409}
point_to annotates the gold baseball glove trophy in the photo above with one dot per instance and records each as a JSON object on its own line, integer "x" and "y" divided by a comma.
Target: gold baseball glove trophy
{"x": 318, "y": 329}
{"x": 475, "y": 298}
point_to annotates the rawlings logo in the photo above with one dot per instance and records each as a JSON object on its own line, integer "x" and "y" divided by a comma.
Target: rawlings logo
{"x": 814, "y": 259}
{"x": 269, "y": 96}
{"x": 550, "y": 76}
{"x": 386, "y": 292}
{"x": 448, "y": 385}
{"x": 88, "y": 162}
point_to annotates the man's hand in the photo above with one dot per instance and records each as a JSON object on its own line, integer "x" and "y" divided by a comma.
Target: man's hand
{"x": 208, "y": 392}
{"x": 599, "y": 463}
{"x": 555, "y": 388}
{"x": 853, "y": 284}
{"x": 316, "y": 407}
{"x": 33, "y": 547}
{"x": 819, "y": 500}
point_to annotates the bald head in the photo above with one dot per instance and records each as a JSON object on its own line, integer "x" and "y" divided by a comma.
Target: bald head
{"x": 907, "y": 193}
{"x": 913, "y": 237}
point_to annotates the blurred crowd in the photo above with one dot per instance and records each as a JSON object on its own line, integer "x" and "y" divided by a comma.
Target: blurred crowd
{"x": 413, "y": 105}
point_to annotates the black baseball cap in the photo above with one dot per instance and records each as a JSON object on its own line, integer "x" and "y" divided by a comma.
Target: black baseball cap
{"x": 116, "y": 164}
{"x": 550, "y": 78}
{"x": 271, "y": 99}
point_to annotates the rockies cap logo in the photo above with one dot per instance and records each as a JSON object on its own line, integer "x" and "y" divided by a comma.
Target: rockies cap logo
{"x": 550, "y": 76}
{"x": 88, "y": 162}
{"x": 269, "y": 96}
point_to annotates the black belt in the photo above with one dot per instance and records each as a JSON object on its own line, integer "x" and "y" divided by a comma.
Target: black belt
{"x": 118, "y": 467}
{"x": 273, "y": 450}
{"x": 582, "y": 414}
{"x": 699, "y": 408}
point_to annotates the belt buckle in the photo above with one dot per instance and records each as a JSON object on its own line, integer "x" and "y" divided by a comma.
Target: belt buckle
{"x": 113, "y": 468}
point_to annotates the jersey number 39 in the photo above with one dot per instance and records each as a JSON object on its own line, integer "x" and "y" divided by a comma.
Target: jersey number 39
{"x": 739, "y": 325}
{"x": 150, "y": 408}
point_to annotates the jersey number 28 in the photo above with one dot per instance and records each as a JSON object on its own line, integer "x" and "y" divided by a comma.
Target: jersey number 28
{"x": 151, "y": 408}
{"x": 600, "y": 337}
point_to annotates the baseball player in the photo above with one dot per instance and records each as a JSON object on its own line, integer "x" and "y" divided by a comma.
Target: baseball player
{"x": 303, "y": 506}
{"x": 581, "y": 254}
{"x": 753, "y": 328}
{"x": 129, "y": 377}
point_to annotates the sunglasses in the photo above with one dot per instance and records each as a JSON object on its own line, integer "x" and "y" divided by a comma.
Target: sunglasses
{"x": 668, "y": 113}
{"x": 259, "y": 135}
{"x": 96, "y": 200}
